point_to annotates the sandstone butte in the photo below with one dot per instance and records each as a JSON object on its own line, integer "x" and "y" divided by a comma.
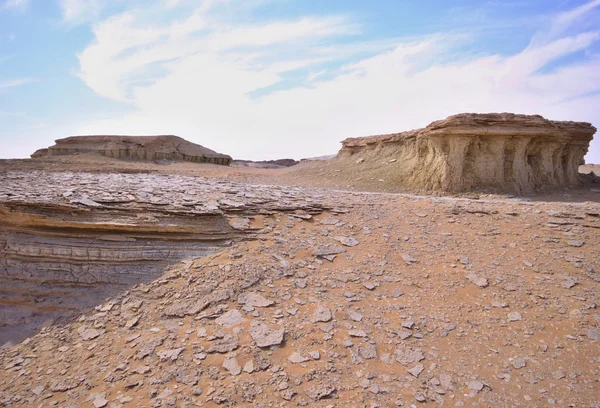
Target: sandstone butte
{"x": 496, "y": 151}
{"x": 164, "y": 147}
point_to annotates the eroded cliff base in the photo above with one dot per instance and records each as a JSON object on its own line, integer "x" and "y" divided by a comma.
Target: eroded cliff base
{"x": 503, "y": 153}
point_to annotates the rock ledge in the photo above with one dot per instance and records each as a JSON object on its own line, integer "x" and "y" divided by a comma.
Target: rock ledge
{"x": 165, "y": 147}
{"x": 496, "y": 151}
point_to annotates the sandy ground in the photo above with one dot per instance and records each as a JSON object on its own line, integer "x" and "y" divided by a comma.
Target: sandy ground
{"x": 318, "y": 174}
{"x": 422, "y": 301}
{"x": 590, "y": 167}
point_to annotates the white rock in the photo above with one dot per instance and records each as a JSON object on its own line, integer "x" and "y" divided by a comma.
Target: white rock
{"x": 322, "y": 314}
{"x": 231, "y": 364}
{"x": 514, "y": 316}
{"x": 417, "y": 370}
{"x": 172, "y": 355}
{"x": 231, "y": 318}
{"x": 264, "y": 336}
{"x": 296, "y": 358}
{"x": 253, "y": 299}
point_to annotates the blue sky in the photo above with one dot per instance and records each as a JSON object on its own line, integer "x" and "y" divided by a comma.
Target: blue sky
{"x": 266, "y": 79}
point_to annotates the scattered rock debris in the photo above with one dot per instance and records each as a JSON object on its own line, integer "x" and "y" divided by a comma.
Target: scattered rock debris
{"x": 388, "y": 300}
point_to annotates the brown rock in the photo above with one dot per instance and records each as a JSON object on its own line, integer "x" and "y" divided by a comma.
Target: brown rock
{"x": 501, "y": 151}
{"x": 164, "y": 147}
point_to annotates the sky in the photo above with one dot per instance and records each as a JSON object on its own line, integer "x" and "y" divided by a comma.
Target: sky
{"x": 266, "y": 79}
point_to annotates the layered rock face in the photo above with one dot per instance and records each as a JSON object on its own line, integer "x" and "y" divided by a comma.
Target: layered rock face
{"x": 500, "y": 152}
{"x": 69, "y": 240}
{"x": 265, "y": 164}
{"x": 165, "y": 147}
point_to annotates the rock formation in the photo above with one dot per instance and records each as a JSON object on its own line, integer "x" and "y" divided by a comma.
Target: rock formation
{"x": 165, "y": 147}
{"x": 400, "y": 301}
{"x": 265, "y": 164}
{"x": 290, "y": 296}
{"x": 77, "y": 238}
{"x": 500, "y": 152}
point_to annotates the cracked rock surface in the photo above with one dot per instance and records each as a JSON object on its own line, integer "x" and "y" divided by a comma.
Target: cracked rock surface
{"x": 438, "y": 301}
{"x": 77, "y": 238}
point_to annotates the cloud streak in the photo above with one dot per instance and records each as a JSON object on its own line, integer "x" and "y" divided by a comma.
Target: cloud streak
{"x": 297, "y": 87}
{"x": 14, "y": 5}
{"x": 12, "y": 83}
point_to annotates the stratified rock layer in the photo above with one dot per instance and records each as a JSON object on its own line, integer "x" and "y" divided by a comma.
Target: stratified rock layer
{"x": 69, "y": 240}
{"x": 165, "y": 147}
{"x": 502, "y": 152}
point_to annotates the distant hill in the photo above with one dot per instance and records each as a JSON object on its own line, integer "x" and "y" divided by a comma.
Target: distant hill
{"x": 265, "y": 164}
{"x": 163, "y": 147}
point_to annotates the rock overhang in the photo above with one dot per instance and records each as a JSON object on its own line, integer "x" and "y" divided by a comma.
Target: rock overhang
{"x": 510, "y": 125}
{"x": 503, "y": 152}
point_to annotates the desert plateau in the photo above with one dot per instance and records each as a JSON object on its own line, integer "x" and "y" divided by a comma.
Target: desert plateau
{"x": 292, "y": 203}
{"x": 456, "y": 265}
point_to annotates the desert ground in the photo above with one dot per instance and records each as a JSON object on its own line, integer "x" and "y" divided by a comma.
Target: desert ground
{"x": 586, "y": 168}
{"x": 325, "y": 289}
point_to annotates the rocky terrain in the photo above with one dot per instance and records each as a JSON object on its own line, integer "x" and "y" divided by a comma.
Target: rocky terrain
{"x": 69, "y": 243}
{"x": 131, "y": 283}
{"x": 265, "y": 164}
{"x": 165, "y": 147}
{"x": 322, "y": 298}
{"x": 590, "y": 168}
{"x": 478, "y": 152}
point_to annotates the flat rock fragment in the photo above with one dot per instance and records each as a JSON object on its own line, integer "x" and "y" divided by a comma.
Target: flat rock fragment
{"x": 328, "y": 250}
{"x": 416, "y": 370}
{"x": 297, "y": 358}
{"x": 478, "y": 280}
{"x": 406, "y": 356}
{"x": 514, "y": 317}
{"x": 347, "y": 241}
{"x": 231, "y": 364}
{"x": 169, "y": 355}
{"x": 253, "y": 299}
{"x": 408, "y": 259}
{"x": 230, "y": 318}
{"x": 320, "y": 391}
{"x": 264, "y": 336}
{"x": 322, "y": 314}
{"x": 88, "y": 333}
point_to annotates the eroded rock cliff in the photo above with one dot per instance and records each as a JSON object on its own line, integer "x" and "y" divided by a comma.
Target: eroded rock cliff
{"x": 69, "y": 240}
{"x": 501, "y": 152}
{"x": 136, "y": 147}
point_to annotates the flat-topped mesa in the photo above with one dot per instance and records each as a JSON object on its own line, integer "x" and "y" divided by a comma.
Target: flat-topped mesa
{"x": 165, "y": 147}
{"x": 501, "y": 152}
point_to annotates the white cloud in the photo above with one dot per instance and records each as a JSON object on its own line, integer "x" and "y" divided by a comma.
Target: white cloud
{"x": 11, "y": 83}
{"x": 125, "y": 51}
{"x": 14, "y": 5}
{"x": 81, "y": 11}
{"x": 220, "y": 84}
